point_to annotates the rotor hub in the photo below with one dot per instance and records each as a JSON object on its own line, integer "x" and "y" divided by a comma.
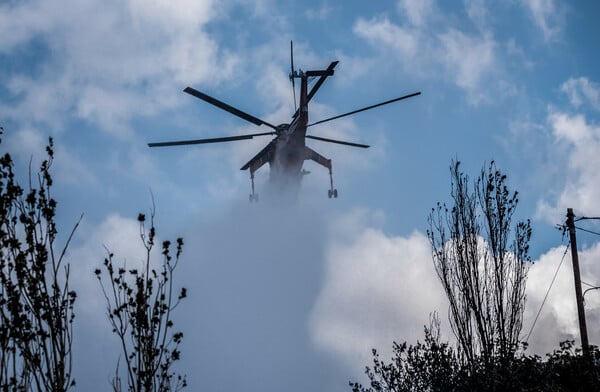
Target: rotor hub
{"x": 281, "y": 128}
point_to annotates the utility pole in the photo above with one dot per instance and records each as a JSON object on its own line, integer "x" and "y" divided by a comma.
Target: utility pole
{"x": 577, "y": 276}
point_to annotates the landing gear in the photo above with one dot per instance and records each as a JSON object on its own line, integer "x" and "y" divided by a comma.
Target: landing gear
{"x": 253, "y": 196}
{"x": 331, "y": 192}
{"x": 321, "y": 160}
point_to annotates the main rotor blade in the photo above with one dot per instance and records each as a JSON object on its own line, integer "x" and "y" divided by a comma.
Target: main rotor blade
{"x": 210, "y": 140}
{"x": 226, "y": 107}
{"x": 323, "y": 139}
{"x": 365, "y": 108}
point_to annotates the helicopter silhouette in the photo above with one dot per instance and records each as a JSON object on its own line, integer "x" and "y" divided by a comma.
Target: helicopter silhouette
{"x": 287, "y": 152}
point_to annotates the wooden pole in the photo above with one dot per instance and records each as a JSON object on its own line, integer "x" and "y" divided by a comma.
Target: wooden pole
{"x": 577, "y": 276}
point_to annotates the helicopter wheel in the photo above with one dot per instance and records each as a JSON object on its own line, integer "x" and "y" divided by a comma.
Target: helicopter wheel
{"x": 335, "y": 193}
{"x": 253, "y": 198}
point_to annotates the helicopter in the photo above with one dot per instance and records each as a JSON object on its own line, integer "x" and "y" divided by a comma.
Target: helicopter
{"x": 287, "y": 151}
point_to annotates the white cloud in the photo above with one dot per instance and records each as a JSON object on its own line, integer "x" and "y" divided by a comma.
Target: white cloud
{"x": 42, "y": 100}
{"x": 546, "y": 16}
{"x": 72, "y": 169}
{"x": 29, "y": 143}
{"x": 582, "y": 91}
{"x": 116, "y": 233}
{"x": 377, "y": 289}
{"x": 26, "y": 142}
{"x": 96, "y": 349}
{"x": 478, "y": 12}
{"x": 468, "y": 58}
{"x": 380, "y": 288}
{"x": 320, "y": 13}
{"x": 108, "y": 64}
{"x": 92, "y": 242}
{"x": 108, "y": 108}
{"x": 580, "y": 187}
{"x": 558, "y": 319}
{"x": 417, "y": 11}
{"x": 167, "y": 12}
{"x": 381, "y": 31}
{"x": 113, "y": 65}
{"x": 18, "y": 24}
{"x": 119, "y": 235}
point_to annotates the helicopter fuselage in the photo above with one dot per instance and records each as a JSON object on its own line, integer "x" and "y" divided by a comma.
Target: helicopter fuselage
{"x": 287, "y": 151}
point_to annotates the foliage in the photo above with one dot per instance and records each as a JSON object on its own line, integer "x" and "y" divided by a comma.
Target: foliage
{"x": 568, "y": 369}
{"x": 427, "y": 366}
{"x": 36, "y": 302}
{"x": 482, "y": 271}
{"x": 483, "y": 274}
{"x": 140, "y": 303}
{"x": 434, "y": 366}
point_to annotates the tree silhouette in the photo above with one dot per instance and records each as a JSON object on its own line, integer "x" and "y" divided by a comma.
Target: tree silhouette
{"x": 435, "y": 366}
{"x": 36, "y": 302}
{"x": 140, "y": 302}
{"x": 482, "y": 268}
{"x": 426, "y": 366}
{"x": 483, "y": 273}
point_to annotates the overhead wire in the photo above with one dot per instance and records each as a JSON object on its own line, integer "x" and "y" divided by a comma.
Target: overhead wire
{"x": 591, "y": 286}
{"x": 586, "y": 230}
{"x": 548, "y": 292}
{"x": 587, "y": 217}
{"x": 590, "y": 289}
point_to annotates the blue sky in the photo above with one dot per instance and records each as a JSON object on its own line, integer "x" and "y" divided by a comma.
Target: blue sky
{"x": 293, "y": 297}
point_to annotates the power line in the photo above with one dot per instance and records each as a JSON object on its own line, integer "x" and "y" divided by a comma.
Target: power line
{"x": 588, "y": 284}
{"x": 587, "y": 217}
{"x": 586, "y": 230}
{"x": 591, "y": 288}
{"x": 547, "y": 292}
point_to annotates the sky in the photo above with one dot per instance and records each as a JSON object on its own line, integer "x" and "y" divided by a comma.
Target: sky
{"x": 293, "y": 295}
